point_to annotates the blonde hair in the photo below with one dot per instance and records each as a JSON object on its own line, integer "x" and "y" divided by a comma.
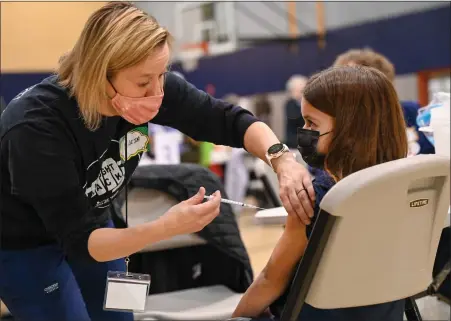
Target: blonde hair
{"x": 368, "y": 58}
{"x": 115, "y": 37}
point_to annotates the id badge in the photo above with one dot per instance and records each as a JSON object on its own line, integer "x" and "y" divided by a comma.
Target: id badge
{"x": 126, "y": 292}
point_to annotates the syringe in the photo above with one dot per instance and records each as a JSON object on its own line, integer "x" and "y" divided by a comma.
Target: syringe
{"x": 224, "y": 200}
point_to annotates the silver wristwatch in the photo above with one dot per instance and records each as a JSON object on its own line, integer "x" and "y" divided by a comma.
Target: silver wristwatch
{"x": 275, "y": 151}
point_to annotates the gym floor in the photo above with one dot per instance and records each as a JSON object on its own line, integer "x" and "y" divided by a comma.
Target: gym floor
{"x": 260, "y": 241}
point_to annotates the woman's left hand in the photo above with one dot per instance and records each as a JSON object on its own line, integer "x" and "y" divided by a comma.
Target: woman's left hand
{"x": 296, "y": 189}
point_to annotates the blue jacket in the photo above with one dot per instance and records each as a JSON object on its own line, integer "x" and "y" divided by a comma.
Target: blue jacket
{"x": 418, "y": 141}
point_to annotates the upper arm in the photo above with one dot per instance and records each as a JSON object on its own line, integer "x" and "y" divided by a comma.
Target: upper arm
{"x": 293, "y": 242}
{"x": 43, "y": 173}
{"x": 200, "y": 116}
{"x": 37, "y": 158}
{"x": 287, "y": 253}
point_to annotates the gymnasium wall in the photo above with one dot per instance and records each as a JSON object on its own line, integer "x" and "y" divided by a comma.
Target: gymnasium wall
{"x": 337, "y": 15}
{"x": 413, "y": 42}
{"x": 33, "y": 37}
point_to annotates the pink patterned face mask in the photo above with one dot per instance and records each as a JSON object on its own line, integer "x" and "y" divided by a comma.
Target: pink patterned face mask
{"x": 137, "y": 110}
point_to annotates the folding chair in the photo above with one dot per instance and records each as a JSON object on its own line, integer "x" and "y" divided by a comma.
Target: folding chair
{"x": 395, "y": 211}
{"x": 266, "y": 179}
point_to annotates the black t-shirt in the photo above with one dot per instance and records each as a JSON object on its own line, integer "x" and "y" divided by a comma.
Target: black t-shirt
{"x": 57, "y": 177}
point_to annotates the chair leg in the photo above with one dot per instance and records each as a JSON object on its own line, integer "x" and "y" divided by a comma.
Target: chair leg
{"x": 269, "y": 190}
{"x": 441, "y": 277}
{"x": 411, "y": 310}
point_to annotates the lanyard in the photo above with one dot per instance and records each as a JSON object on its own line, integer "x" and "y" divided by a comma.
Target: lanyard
{"x": 127, "y": 258}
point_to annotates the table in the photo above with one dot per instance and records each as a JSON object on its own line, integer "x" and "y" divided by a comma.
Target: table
{"x": 278, "y": 216}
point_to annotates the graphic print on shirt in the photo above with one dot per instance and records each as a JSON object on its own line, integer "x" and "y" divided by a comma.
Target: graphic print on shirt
{"x": 138, "y": 142}
{"x": 23, "y": 92}
{"x": 106, "y": 181}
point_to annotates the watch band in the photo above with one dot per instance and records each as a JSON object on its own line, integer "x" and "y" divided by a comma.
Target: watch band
{"x": 270, "y": 157}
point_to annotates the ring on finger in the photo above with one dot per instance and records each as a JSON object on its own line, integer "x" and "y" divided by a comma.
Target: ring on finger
{"x": 300, "y": 191}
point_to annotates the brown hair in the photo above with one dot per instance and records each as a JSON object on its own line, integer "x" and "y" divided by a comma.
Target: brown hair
{"x": 369, "y": 58}
{"x": 115, "y": 37}
{"x": 369, "y": 122}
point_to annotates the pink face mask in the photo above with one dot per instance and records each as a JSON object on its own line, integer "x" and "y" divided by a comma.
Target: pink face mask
{"x": 137, "y": 110}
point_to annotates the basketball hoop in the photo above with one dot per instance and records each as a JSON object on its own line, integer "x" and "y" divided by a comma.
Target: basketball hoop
{"x": 191, "y": 53}
{"x": 200, "y": 46}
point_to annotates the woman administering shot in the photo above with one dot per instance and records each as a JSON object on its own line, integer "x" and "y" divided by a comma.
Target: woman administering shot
{"x": 70, "y": 144}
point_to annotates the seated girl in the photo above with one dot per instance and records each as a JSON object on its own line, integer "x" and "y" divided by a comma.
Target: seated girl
{"x": 353, "y": 120}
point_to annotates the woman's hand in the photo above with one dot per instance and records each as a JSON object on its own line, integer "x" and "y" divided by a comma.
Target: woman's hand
{"x": 296, "y": 189}
{"x": 192, "y": 215}
{"x": 107, "y": 244}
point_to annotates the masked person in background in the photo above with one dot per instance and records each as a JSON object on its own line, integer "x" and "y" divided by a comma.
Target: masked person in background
{"x": 70, "y": 144}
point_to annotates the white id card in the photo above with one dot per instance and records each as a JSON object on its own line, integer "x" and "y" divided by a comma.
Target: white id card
{"x": 126, "y": 292}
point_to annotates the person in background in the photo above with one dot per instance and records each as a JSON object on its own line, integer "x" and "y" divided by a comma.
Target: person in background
{"x": 263, "y": 109}
{"x": 295, "y": 86}
{"x": 418, "y": 143}
{"x": 338, "y": 106}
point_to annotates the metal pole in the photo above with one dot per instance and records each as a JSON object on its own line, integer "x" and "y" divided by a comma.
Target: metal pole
{"x": 292, "y": 21}
{"x": 320, "y": 21}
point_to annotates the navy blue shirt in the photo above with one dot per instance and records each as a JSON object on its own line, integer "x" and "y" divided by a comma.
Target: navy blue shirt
{"x": 392, "y": 311}
{"x": 417, "y": 140}
{"x": 58, "y": 177}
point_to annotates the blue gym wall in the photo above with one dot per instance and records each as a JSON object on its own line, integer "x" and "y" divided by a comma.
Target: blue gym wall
{"x": 413, "y": 42}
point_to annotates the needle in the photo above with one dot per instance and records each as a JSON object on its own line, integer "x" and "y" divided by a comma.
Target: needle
{"x": 224, "y": 200}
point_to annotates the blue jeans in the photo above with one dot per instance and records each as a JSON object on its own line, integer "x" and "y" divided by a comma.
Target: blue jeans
{"x": 41, "y": 285}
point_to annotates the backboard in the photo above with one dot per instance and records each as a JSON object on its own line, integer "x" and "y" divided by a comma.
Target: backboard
{"x": 204, "y": 28}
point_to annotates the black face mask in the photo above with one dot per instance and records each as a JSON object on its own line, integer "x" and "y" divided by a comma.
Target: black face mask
{"x": 307, "y": 146}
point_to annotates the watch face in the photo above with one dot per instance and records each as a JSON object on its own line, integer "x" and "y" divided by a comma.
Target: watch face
{"x": 274, "y": 149}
